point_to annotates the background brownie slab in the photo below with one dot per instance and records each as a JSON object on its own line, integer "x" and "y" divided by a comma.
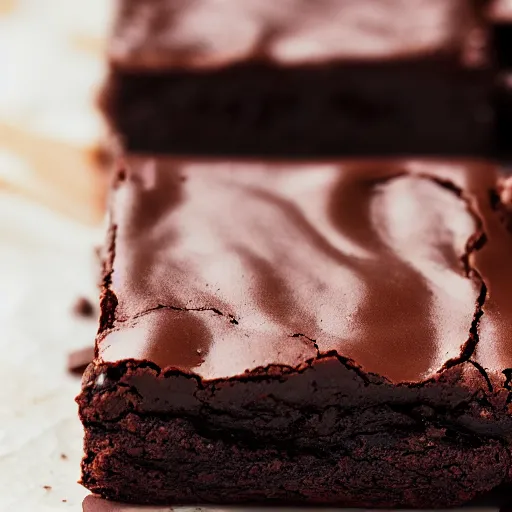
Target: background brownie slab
{"x": 302, "y": 333}
{"x": 501, "y": 19}
{"x": 298, "y": 78}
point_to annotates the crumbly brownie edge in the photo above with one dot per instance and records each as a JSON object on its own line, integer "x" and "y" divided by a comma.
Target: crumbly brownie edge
{"x": 155, "y": 460}
{"x": 383, "y": 455}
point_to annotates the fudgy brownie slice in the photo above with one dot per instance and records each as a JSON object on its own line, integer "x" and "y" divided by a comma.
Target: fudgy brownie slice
{"x": 314, "y": 333}
{"x": 300, "y": 78}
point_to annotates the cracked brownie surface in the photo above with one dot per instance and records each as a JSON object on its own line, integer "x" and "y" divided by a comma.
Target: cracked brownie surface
{"x": 332, "y": 333}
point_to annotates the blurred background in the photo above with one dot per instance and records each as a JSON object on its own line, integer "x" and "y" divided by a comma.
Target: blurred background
{"x": 52, "y": 63}
{"x": 52, "y": 197}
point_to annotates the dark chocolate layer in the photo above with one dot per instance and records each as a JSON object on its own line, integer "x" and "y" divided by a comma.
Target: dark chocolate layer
{"x": 427, "y": 107}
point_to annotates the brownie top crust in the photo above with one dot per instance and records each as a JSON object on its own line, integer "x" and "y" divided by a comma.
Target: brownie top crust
{"x": 161, "y": 34}
{"x": 220, "y": 269}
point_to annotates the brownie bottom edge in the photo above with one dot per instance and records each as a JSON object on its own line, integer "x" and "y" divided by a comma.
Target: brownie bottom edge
{"x": 152, "y": 460}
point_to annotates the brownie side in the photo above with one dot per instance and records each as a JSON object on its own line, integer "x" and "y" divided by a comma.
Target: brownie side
{"x": 431, "y": 107}
{"x": 159, "y": 460}
{"x": 166, "y": 438}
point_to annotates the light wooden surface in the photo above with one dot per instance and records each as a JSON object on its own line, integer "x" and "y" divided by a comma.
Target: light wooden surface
{"x": 60, "y": 175}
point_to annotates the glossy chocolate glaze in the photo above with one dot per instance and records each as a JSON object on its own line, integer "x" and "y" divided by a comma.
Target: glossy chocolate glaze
{"x": 203, "y": 34}
{"x": 223, "y": 268}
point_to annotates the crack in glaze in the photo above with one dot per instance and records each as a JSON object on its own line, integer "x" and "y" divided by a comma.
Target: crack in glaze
{"x": 232, "y": 319}
{"x": 484, "y": 374}
{"x": 475, "y": 243}
{"x": 300, "y": 335}
{"x": 108, "y": 299}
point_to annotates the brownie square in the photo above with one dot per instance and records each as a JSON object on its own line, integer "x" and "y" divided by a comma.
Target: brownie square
{"x": 301, "y": 79}
{"x": 331, "y": 333}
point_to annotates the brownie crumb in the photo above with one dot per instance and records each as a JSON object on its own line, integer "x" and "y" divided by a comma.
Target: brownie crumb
{"x": 83, "y": 307}
{"x": 63, "y": 456}
{"x": 78, "y": 360}
{"x": 47, "y": 487}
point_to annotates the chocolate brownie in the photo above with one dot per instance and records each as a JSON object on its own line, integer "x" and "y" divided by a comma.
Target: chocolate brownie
{"x": 298, "y": 78}
{"x": 302, "y": 333}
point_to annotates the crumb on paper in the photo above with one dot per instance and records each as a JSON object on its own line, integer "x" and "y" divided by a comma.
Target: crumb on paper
{"x": 63, "y": 456}
{"x": 47, "y": 487}
{"x": 83, "y": 307}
